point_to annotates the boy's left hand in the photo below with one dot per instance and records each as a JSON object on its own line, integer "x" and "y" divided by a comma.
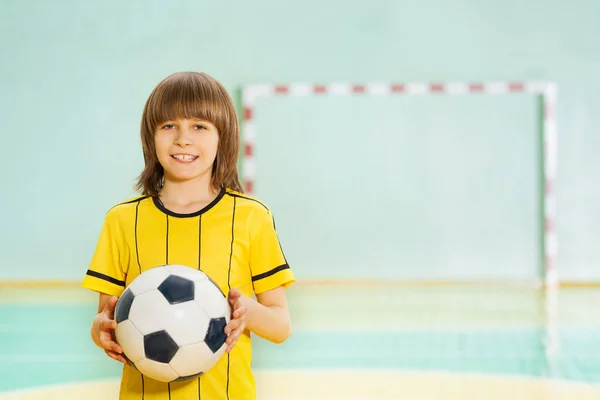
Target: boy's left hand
{"x": 239, "y": 313}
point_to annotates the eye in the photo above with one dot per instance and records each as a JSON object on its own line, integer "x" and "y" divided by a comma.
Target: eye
{"x": 200, "y": 127}
{"x": 168, "y": 126}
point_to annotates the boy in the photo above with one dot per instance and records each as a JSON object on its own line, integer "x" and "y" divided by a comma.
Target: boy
{"x": 193, "y": 212}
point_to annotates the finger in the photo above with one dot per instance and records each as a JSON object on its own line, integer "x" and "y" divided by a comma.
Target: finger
{"x": 109, "y": 308}
{"x": 116, "y": 356}
{"x": 109, "y": 345}
{"x": 230, "y": 346}
{"x": 232, "y": 339}
{"x": 113, "y": 347}
{"x": 108, "y": 334}
{"x": 105, "y": 337}
{"x": 108, "y": 324}
{"x": 239, "y": 312}
{"x": 234, "y": 294}
{"x": 235, "y": 334}
{"x": 232, "y": 326}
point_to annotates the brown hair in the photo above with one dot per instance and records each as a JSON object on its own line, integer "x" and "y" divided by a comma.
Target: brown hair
{"x": 190, "y": 95}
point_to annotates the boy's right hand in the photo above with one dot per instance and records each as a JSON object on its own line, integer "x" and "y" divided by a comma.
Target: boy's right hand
{"x": 103, "y": 331}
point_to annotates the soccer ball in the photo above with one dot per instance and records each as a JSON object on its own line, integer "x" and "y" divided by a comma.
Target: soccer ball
{"x": 171, "y": 321}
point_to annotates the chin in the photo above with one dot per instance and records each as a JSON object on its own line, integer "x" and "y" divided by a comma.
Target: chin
{"x": 185, "y": 177}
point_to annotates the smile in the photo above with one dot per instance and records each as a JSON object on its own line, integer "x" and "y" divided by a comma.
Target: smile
{"x": 186, "y": 158}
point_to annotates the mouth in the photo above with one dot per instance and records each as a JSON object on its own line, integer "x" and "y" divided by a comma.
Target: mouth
{"x": 184, "y": 158}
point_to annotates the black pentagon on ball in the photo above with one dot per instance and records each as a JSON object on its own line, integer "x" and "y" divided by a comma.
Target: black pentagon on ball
{"x": 123, "y": 306}
{"x": 177, "y": 289}
{"x": 215, "y": 336}
{"x": 160, "y": 347}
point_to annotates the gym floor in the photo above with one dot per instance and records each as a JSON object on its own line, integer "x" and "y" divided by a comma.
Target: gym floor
{"x": 377, "y": 342}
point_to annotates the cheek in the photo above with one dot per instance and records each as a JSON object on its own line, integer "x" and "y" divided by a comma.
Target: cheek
{"x": 210, "y": 146}
{"x": 161, "y": 146}
{"x": 158, "y": 144}
{"x": 215, "y": 145}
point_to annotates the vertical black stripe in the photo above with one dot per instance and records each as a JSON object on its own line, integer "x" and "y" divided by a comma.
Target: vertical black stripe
{"x": 137, "y": 254}
{"x": 167, "y": 244}
{"x": 169, "y": 386}
{"x": 229, "y": 279}
{"x": 228, "y": 354}
{"x": 199, "y": 247}
{"x": 199, "y": 253}
{"x": 231, "y": 246}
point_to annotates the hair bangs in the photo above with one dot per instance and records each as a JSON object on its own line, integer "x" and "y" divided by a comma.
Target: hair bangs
{"x": 186, "y": 97}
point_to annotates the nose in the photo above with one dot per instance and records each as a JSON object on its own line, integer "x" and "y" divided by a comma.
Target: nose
{"x": 183, "y": 137}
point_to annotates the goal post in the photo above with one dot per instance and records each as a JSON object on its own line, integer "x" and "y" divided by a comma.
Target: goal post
{"x": 545, "y": 91}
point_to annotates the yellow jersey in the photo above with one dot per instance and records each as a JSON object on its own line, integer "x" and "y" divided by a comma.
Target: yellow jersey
{"x": 233, "y": 240}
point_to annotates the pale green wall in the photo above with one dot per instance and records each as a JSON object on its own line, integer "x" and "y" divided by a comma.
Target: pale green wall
{"x": 74, "y": 77}
{"x": 419, "y": 187}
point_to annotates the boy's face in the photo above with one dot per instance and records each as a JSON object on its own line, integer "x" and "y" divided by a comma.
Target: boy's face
{"x": 186, "y": 148}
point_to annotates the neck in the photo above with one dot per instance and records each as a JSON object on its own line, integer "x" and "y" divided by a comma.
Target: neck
{"x": 189, "y": 191}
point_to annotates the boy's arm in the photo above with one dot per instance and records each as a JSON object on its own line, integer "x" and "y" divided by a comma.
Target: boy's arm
{"x": 269, "y": 317}
{"x": 103, "y": 301}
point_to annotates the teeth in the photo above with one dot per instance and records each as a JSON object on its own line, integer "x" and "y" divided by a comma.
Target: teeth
{"x": 182, "y": 157}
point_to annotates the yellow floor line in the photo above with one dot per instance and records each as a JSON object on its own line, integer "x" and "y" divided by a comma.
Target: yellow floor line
{"x": 359, "y": 385}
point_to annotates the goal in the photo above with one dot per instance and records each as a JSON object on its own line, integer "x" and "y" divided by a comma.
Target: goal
{"x": 545, "y": 91}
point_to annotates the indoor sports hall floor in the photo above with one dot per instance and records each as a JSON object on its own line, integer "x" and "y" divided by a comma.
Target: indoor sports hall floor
{"x": 368, "y": 342}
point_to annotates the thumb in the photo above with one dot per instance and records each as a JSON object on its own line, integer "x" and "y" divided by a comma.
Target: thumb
{"x": 234, "y": 294}
{"x": 109, "y": 308}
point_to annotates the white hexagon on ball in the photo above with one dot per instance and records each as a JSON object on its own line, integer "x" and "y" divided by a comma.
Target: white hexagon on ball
{"x": 130, "y": 340}
{"x": 148, "y": 280}
{"x": 205, "y": 293}
{"x": 156, "y": 370}
{"x": 149, "y": 312}
{"x": 186, "y": 323}
{"x": 193, "y": 359}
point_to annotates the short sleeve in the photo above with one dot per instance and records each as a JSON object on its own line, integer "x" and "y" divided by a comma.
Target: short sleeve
{"x": 268, "y": 264}
{"x": 105, "y": 273}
